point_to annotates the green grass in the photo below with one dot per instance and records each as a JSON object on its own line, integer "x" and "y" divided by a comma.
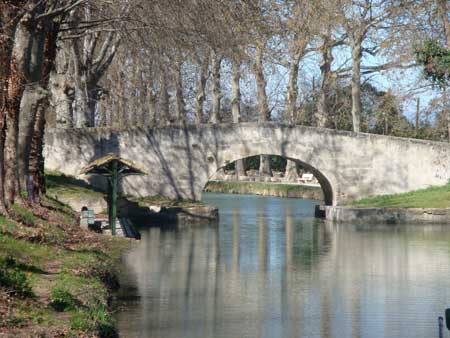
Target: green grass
{"x": 59, "y": 184}
{"x": 277, "y": 189}
{"x": 56, "y": 278}
{"x": 434, "y": 197}
{"x": 164, "y": 201}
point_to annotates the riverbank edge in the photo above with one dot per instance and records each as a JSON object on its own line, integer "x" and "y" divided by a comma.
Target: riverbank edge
{"x": 358, "y": 215}
{"x": 150, "y": 211}
{"x": 265, "y": 189}
{"x": 57, "y": 279}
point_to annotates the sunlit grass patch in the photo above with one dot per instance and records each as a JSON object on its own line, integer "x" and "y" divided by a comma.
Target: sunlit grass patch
{"x": 433, "y": 197}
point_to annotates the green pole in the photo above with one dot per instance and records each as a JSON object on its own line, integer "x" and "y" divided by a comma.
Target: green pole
{"x": 114, "y": 183}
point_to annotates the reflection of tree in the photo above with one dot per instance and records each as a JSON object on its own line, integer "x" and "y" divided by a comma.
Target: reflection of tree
{"x": 311, "y": 243}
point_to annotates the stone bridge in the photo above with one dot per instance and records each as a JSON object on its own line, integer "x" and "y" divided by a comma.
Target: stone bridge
{"x": 181, "y": 160}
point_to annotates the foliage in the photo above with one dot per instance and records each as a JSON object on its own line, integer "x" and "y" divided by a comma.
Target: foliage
{"x": 433, "y": 197}
{"x": 96, "y": 318}
{"x": 61, "y": 299}
{"x": 13, "y": 278}
{"x": 436, "y": 62}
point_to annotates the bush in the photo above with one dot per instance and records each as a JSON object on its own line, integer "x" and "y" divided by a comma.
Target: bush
{"x": 96, "y": 318}
{"x": 62, "y": 300}
{"x": 13, "y": 278}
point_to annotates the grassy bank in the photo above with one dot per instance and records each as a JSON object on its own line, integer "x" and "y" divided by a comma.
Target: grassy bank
{"x": 265, "y": 189}
{"x": 55, "y": 278}
{"x": 434, "y": 197}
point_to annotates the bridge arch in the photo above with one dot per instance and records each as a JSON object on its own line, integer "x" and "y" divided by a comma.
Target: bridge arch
{"x": 324, "y": 182}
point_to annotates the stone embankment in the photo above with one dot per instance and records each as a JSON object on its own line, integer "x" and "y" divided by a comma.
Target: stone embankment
{"x": 313, "y": 192}
{"x": 386, "y": 215}
{"x": 149, "y": 213}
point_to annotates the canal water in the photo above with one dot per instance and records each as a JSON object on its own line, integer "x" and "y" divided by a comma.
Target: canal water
{"x": 270, "y": 270}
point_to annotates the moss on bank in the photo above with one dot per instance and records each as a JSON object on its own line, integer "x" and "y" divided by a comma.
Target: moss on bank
{"x": 265, "y": 189}
{"x": 433, "y": 197}
{"x": 55, "y": 278}
{"x": 59, "y": 184}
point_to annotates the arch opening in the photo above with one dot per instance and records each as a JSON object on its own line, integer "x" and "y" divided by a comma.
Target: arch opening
{"x": 307, "y": 174}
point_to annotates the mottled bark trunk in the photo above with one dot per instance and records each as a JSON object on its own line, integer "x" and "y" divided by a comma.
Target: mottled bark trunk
{"x": 17, "y": 81}
{"x": 61, "y": 101}
{"x": 200, "y": 90}
{"x": 236, "y": 92}
{"x": 181, "y": 111}
{"x": 6, "y": 37}
{"x": 291, "y": 171}
{"x": 322, "y": 110}
{"x": 236, "y": 109}
{"x": 263, "y": 108}
{"x": 292, "y": 89}
{"x": 356, "y": 84}
{"x": 32, "y": 97}
{"x": 152, "y": 100}
{"x": 443, "y": 13}
{"x": 36, "y": 157}
{"x": 164, "y": 104}
{"x": 83, "y": 116}
{"x": 264, "y": 166}
{"x": 216, "y": 61}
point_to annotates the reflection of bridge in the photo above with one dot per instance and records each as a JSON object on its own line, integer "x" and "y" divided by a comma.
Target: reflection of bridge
{"x": 181, "y": 160}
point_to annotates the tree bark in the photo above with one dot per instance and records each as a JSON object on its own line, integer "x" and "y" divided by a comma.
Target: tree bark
{"x": 356, "y": 84}
{"x": 181, "y": 111}
{"x": 200, "y": 95}
{"x": 291, "y": 171}
{"x": 292, "y": 89}
{"x": 17, "y": 81}
{"x": 7, "y": 26}
{"x": 263, "y": 108}
{"x": 36, "y": 157}
{"x": 236, "y": 109}
{"x": 164, "y": 104}
{"x": 236, "y": 92}
{"x": 322, "y": 110}
{"x": 443, "y": 12}
{"x": 216, "y": 61}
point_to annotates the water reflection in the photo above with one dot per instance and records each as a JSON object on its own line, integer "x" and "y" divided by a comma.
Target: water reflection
{"x": 270, "y": 270}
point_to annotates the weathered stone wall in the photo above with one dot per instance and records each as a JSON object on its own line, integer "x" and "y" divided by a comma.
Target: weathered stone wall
{"x": 181, "y": 160}
{"x": 387, "y": 215}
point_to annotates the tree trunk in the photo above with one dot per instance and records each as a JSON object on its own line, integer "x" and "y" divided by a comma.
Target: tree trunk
{"x": 152, "y": 100}
{"x": 263, "y": 108}
{"x": 236, "y": 109}
{"x": 291, "y": 172}
{"x": 83, "y": 116}
{"x": 32, "y": 97}
{"x": 164, "y": 104}
{"x": 36, "y": 161}
{"x": 292, "y": 89}
{"x": 356, "y": 84}
{"x": 17, "y": 82}
{"x": 236, "y": 92}
{"x": 181, "y": 112}
{"x": 7, "y": 26}
{"x": 322, "y": 110}
{"x": 216, "y": 61}
{"x": 200, "y": 95}
{"x": 264, "y": 166}
{"x": 443, "y": 13}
